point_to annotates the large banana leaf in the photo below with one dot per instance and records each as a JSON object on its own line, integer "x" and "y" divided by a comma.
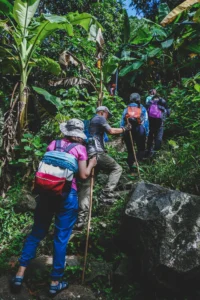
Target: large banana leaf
{"x": 48, "y": 65}
{"x": 51, "y": 23}
{"x": 178, "y": 10}
{"x": 85, "y": 20}
{"x": 24, "y": 11}
{"x": 53, "y": 99}
{"x": 46, "y": 28}
{"x": 5, "y": 7}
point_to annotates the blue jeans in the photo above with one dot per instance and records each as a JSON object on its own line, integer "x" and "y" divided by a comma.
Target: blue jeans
{"x": 65, "y": 210}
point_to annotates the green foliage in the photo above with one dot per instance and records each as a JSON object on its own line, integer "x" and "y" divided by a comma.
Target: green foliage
{"x": 150, "y": 9}
{"x": 178, "y": 164}
{"x": 28, "y": 154}
{"x": 12, "y": 225}
{"x": 48, "y": 65}
{"x": 53, "y": 99}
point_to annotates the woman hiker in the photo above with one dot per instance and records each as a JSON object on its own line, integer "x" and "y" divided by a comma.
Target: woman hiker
{"x": 64, "y": 207}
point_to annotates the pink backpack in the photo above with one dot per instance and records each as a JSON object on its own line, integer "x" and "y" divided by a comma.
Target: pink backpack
{"x": 154, "y": 111}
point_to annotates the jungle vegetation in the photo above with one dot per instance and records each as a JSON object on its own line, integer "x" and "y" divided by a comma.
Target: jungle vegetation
{"x": 54, "y": 65}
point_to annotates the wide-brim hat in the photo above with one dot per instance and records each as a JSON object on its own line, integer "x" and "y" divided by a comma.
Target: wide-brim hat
{"x": 104, "y": 108}
{"x": 73, "y": 127}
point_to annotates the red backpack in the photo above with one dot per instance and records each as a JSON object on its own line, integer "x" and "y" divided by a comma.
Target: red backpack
{"x": 134, "y": 114}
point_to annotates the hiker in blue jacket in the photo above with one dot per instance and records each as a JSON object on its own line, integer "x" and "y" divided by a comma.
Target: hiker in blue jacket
{"x": 137, "y": 115}
{"x": 158, "y": 111}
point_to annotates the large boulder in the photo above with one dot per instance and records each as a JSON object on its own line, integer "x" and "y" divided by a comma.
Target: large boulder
{"x": 161, "y": 231}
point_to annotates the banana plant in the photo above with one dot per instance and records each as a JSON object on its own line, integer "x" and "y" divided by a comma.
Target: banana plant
{"x": 27, "y": 33}
{"x": 178, "y": 10}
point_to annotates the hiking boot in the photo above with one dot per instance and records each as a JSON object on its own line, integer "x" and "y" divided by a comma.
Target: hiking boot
{"x": 108, "y": 197}
{"x": 109, "y": 194}
{"x": 79, "y": 225}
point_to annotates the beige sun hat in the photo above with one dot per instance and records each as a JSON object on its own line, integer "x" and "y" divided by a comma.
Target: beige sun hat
{"x": 73, "y": 127}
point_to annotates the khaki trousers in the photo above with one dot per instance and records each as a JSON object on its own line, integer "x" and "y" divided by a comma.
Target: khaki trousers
{"x": 108, "y": 165}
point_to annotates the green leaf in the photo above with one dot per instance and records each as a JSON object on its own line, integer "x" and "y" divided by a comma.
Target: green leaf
{"x": 154, "y": 52}
{"x": 48, "y": 65}
{"x": 28, "y": 148}
{"x": 197, "y": 87}
{"x": 24, "y": 11}
{"x": 110, "y": 67}
{"x": 55, "y": 18}
{"x": 23, "y": 160}
{"x": 194, "y": 48}
{"x": 167, "y": 43}
{"x": 173, "y": 144}
{"x": 85, "y": 20}
{"x": 163, "y": 11}
{"x": 197, "y": 16}
{"x": 53, "y": 99}
{"x": 46, "y": 28}
{"x": 38, "y": 153}
{"x": 28, "y": 135}
{"x": 130, "y": 68}
{"x": 5, "y": 7}
{"x": 142, "y": 36}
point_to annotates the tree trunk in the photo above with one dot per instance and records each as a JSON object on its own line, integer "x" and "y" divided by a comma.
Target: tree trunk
{"x": 23, "y": 100}
{"x": 100, "y": 97}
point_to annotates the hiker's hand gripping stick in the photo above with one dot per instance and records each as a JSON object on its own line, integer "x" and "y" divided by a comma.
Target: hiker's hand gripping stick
{"x": 93, "y": 160}
{"x": 127, "y": 127}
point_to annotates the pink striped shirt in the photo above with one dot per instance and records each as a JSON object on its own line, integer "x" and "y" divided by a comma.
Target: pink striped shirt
{"x": 78, "y": 151}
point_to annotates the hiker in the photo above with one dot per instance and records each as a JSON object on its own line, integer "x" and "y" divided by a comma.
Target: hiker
{"x": 64, "y": 207}
{"x": 152, "y": 93}
{"x": 157, "y": 111}
{"x": 136, "y": 115}
{"x": 98, "y": 126}
{"x": 113, "y": 89}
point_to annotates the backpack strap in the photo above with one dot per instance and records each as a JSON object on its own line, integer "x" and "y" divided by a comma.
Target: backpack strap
{"x": 71, "y": 146}
{"x": 58, "y": 145}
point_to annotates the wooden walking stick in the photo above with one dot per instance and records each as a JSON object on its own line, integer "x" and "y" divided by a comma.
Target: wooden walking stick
{"x": 88, "y": 227}
{"x": 134, "y": 153}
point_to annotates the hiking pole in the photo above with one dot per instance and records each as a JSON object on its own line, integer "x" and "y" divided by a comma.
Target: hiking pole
{"x": 134, "y": 153}
{"x": 88, "y": 227}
